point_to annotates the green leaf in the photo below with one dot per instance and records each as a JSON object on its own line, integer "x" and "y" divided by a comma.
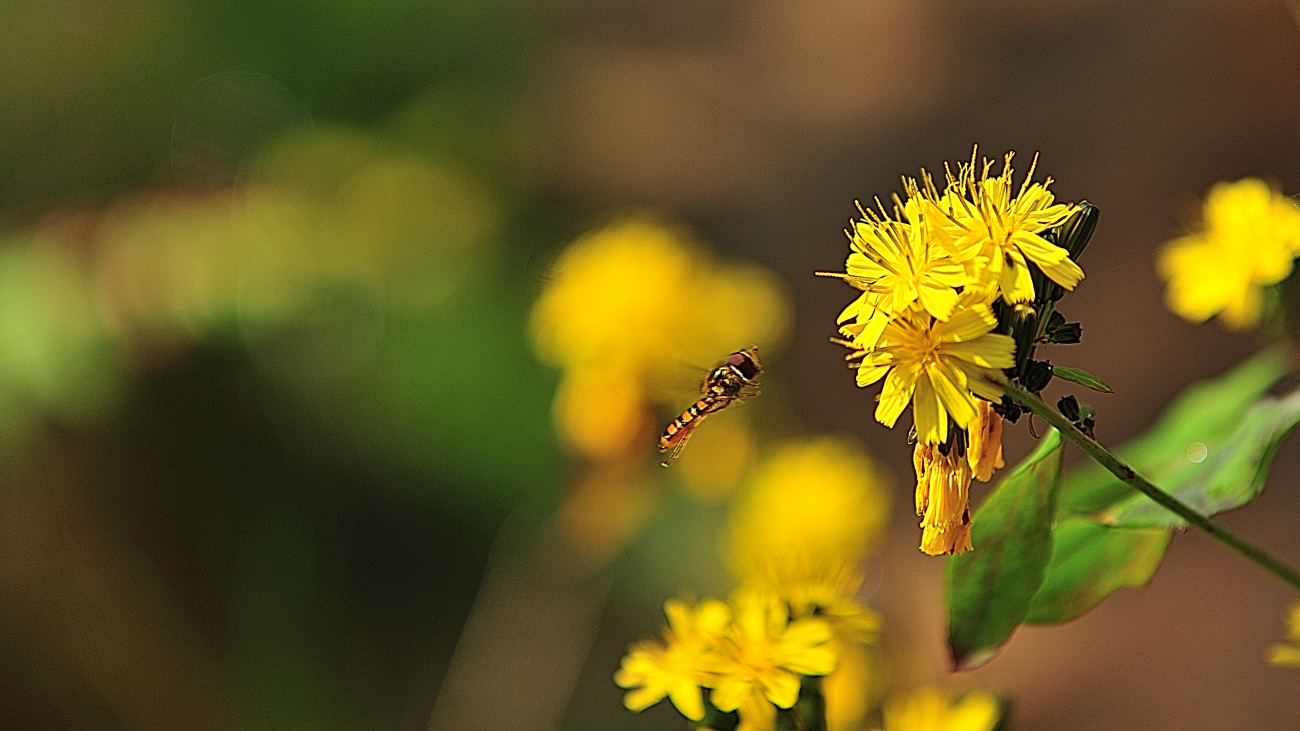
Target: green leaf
{"x": 1090, "y": 561}
{"x": 989, "y": 589}
{"x": 1082, "y": 377}
{"x": 1230, "y": 469}
{"x": 1206, "y": 413}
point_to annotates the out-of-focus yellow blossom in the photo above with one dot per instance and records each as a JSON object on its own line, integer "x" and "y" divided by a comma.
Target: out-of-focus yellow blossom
{"x": 938, "y": 367}
{"x": 1250, "y": 235}
{"x": 632, "y": 298}
{"x": 1288, "y": 655}
{"x": 942, "y": 498}
{"x": 854, "y": 688}
{"x": 807, "y": 509}
{"x": 678, "y": 667}
{"x": 763, "y": 657}
{"x": 979, "y": 221}
{"x": 930, "y": 709}
{"x": 804, "y": 520}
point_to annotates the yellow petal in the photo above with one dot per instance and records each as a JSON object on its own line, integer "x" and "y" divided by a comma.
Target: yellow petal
{"x": 728, "y": 693}
{"x": 1016, "y": 283}
{"x": 993, "y": 350}
{"x": 895, "y": 395}
{"x": 977, "y": 711}
{"x": 642, "y": 698}
{"x": 781, "y": 688}
{"x": 953, "y": 397}
{"x": 938, "y": 300}
{"x": 688, "y": 698}
{"x": 966, "y": 323}
{"x": 928, "y": 415}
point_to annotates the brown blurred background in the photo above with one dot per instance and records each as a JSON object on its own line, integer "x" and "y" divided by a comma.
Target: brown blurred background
{"x": 273, "y": 505}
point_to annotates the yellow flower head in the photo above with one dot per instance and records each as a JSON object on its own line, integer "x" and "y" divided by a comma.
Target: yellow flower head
{"x": 809, "y": 507}
{"x": 1288, "y": 655}
{"x": 681, "y": 664}
{"x": 929, "y": 709}
{"x": 981, "y": 223}
{"x": 763, "y": 657}
{"x": 1251, "y": 234}
{"x": 943, "y": 498}
{"x": 807, "y": 517}
{"x": 939, "y": 367}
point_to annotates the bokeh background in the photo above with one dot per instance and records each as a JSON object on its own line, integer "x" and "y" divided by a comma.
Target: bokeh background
{"x": 276, "y": 450}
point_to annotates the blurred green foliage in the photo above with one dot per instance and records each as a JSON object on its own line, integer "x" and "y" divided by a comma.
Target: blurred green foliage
{"x": 265, "y": 272}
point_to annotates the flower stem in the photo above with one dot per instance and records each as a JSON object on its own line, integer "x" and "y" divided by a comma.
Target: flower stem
{"x": 1106, "y": 459}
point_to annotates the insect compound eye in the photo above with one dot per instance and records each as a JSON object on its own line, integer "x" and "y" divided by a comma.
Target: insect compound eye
{"x": 744, "y": 364}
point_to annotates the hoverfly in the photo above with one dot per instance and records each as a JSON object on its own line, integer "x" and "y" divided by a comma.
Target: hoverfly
{"x": 724, "y": 386}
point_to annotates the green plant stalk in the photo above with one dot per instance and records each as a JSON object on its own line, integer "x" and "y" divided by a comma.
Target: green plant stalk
{"x": 1106, "y": 459}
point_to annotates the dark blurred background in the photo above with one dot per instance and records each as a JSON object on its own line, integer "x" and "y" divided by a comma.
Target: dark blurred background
{"x": 268, "y": 470}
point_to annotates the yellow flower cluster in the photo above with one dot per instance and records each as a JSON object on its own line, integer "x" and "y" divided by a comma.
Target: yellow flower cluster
{"x": 929, "y": 271}
{"x": 750, "y": 654}
{"x": 805, "y": 519}
{"x": 1250, "y": 235}
{"x": 1288, "y": 655}
{"x": 800, "y": 528}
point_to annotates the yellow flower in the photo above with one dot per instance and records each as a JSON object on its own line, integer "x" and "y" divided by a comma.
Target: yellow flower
{"x": 678, "y": 667}
{"x": 808, "y": 508}
{"x": 763, "y": 656}
{"x": 1288, "y": 655}
{"x": 897, "y": 265}
{"x": 980, "y": 222}
{"x": 806, "y": 518}
{"x": 1251, "y": 234}
{"x": 855, "y": 688}
{"x": 929, "y": 709}
{"x": 943, "y": 498}
{"x": 937, "y": 366}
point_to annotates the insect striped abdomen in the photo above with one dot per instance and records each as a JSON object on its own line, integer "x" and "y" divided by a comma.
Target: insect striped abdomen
{"x": 680, "y": 426}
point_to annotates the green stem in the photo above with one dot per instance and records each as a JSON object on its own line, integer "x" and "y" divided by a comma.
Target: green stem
{"x": 1108, "y": 460}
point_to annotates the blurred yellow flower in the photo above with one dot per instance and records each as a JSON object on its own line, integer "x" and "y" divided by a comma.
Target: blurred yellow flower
{"x": 763, "y": 657}
{"x": 808, "y": 509}
{"x": 1250, "y": 235}
{"x": 943, "y": 498}
{"x": 1288, "y": 655}
{"x": 854, "y": 688}
{"x": 930, "y": 709}
{"x": 938, "y": 367}
{"x": 678, "y": 667}
{"x": 979, "y": 222}
{"x": 635, "y": 297}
